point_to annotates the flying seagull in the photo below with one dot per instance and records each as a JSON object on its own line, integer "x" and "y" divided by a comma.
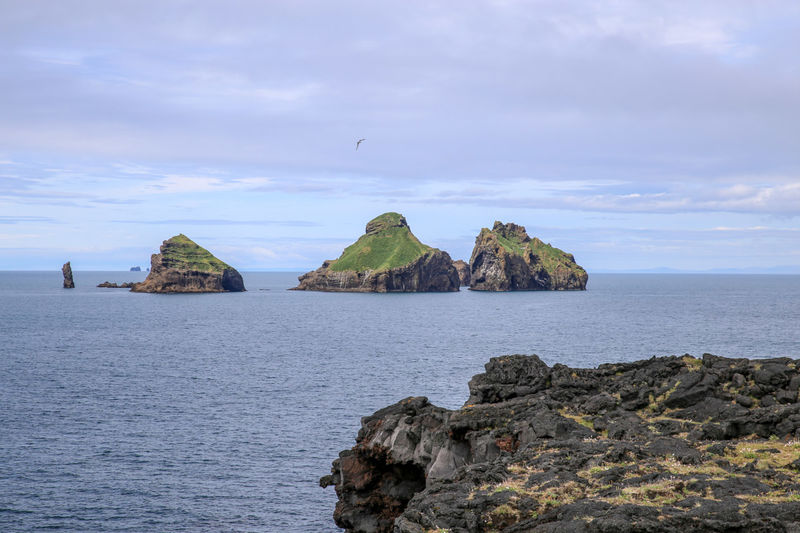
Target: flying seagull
{"x": 359, "y": 142}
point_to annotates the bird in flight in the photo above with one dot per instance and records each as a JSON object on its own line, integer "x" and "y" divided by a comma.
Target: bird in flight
{"x": 359, "y": 142}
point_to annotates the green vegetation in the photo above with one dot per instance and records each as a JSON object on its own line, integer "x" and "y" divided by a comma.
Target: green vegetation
{"x": 387, "y": 244}
{"x": 185, "y": 253}
{"x": 517, "y": 242}
{"x": 552, "y": 257}
{"x": 512, "y": 246}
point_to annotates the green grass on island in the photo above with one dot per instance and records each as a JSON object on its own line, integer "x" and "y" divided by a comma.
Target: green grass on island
{"x": 511, "y": 245}
{"x": 550, "y": 256}
{"x": 182, "y": 250}
{"x": 388, "y": 244}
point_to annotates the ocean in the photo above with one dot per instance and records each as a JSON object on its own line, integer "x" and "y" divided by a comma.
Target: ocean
{"x": 219, "y": 412}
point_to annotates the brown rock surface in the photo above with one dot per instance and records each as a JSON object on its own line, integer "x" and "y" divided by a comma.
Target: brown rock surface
{"x": 67, "y": 271}
{"x": 462, "y": 267}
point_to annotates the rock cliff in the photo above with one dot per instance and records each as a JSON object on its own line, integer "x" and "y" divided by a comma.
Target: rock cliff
{"x": 670, "y": 444}
{"x": 463, "y": 272}
{"x": 183, "y": 266}
{"x": 505, "y": 258}
{"x": 66, "y": 270}
{"x": 387, "y": 258}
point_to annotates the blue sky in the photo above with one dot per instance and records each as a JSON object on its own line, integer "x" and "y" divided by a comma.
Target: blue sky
{"x": 632, "y": 134}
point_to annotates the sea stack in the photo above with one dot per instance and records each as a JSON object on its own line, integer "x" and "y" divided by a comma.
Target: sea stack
{"x": 505, "y": 258}
{"x": 668, "y": 444}
{"x": 462, "y": 267}
{"x": 67, "y": 271}
{"x": 184, "y": 266}
{"x": 387, "y": 258}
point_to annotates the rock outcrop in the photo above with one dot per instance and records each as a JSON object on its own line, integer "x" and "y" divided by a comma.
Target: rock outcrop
{"x": 463, "y": 272}
{"x": 670, "y": 444}
{"x": 123, "y": 285}
{"x": 66, "y": 270}
{"x": 505, "y": 258}
{"x": 183, "y": 266}
{"x": 387, "y": 258}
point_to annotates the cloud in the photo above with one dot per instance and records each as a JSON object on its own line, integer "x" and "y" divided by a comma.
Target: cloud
{"x": 564, "y": 109}
{"x": 223, "y": 222}
{"x": 781, "y": 199}
{"x": 494, "y": 89}
{"x": 23, "y": 219}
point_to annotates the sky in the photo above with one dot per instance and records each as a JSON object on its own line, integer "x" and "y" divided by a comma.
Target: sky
{"x": 635, "y": 135}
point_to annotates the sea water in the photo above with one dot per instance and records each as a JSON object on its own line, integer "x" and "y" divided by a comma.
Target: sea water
{"x": 219, "y": 412}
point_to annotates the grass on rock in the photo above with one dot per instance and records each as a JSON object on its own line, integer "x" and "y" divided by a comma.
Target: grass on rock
{"x": 391, "y": 247}
{"x": 182, "y": 250}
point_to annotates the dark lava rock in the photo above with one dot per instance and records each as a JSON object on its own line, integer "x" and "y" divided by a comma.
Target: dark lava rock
{"x": 505, "y": 258}
{"x": 663, "y": 444}
{"x": 67, "y": 271}
{"x": 124, "y": 285}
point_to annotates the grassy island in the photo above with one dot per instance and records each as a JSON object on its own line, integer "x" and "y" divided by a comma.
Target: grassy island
{"x": 388, "y": 243}
{"x": 182, "y": 252}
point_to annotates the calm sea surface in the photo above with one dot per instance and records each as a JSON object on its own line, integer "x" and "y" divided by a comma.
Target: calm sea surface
{"x": 219, "y": 412}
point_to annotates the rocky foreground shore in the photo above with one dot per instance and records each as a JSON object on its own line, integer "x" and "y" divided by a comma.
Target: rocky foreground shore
{"x": 661, "y": 445}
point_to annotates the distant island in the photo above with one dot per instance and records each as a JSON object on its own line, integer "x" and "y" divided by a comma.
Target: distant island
{"x": 184, "y": 266}
{"x": 505, "y": 258}
{"x": 136, "y": 269}
{"x": 668, "y": 444}
{"x": 387, "y": 258}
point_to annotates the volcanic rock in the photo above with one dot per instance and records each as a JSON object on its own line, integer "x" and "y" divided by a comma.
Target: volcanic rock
{"x": 656, "y": 445}
{"x": 67, "y": 271}
{"x": 462, "y": 267}
{"x": 124, "y": 285}
{"x": 505, "y": 258}
{"x": 387, "y": 258}
{"x": 183, "y": 266}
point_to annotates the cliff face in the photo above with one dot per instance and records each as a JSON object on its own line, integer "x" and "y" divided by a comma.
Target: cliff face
{"x": 670, "y": 444}
{"x": 463, "y": 272}
{"x": 183, "y": 266}
{"x": 66, "y": 270}
{"x": 505, "y": 258}
{"x": 387, "y": 258}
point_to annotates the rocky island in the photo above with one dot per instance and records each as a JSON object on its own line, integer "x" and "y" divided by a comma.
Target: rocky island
{"x": 123, "y": 285}
{"x": 184, "y": 266}
{"x": 669, "y": 444}
{"x": 66, "y": 270}
{"x": 387, "y": 258}
{"x": 505, "y": 258}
